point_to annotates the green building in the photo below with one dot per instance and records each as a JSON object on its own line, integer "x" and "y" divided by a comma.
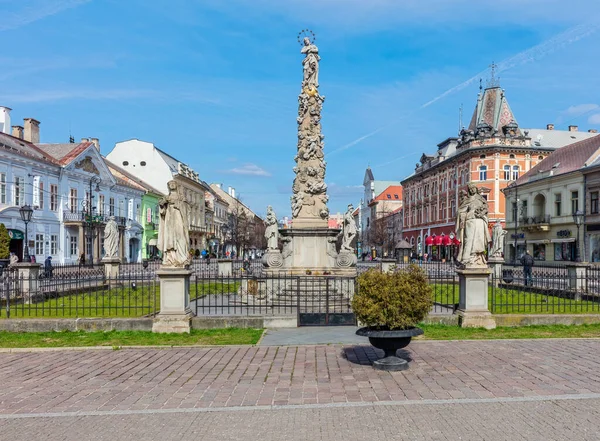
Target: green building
{"x": 149, "y": 221}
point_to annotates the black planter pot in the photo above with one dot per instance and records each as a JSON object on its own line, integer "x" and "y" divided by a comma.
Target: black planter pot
{"x": 390, "y": 342}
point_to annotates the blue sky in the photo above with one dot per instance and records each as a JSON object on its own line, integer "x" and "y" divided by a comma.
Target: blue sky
{"x": 215, "y": 82}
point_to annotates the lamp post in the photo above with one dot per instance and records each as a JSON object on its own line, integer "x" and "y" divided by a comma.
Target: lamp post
{"x": 578, "y": 218}
{"x": 89, "y": 215}
{"x": 26, "y": 212}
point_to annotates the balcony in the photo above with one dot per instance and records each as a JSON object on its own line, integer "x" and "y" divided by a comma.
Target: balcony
{"x": 535, "y": 223}
{"x": 82, "y": 217}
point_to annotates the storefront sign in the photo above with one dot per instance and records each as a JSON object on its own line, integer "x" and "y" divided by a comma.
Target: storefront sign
{"x": 15, "y": 234}
{"x": 518, "y": 236}
{"x": 564, "y": 233}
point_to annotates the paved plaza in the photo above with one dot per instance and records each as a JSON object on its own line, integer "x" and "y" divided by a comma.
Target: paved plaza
{"x": 513, "y": 390}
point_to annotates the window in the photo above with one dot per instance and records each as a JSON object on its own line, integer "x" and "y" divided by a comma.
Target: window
{"x": 2, "y": 188}
{"x": 574, "y": 202}
{"x": 101, "y": 204}
{"x": 73, "y": 246}
{"x": 41, "y": 197}
{"x": 143, "y": 163}
{"x": 594, "y": 202}
{"x": 540, "y": 157}
{"x": 511, "y": 156}
{"x": 483, "y": 173}
{"x": 389, "y": 196}
{"x": 121, "y": 207}
{"x": 19, "y": 191}
{"x": 514, "y": 211}
{"x": 515, "y": 173}
{"x": 54, "y": 244}
{"x": 524, "y": 209}
{"x": 443, "y": 211}
{"x": 53, "y": 197}
{"x": 507, "y": 172}
{"x": 125, "y": 163}
{"x": 111, "y": 207}
{"x": 452, "y": 209}
{"x": 557, "y": 204}
{"x": 39, "y": 244}
{"x": 73, "y": 200}
{"x": 539, "y": 251}
{"x": 481, "y": 156}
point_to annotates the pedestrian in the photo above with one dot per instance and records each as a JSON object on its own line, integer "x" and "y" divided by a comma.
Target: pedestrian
{"x": 527, "y": 262}
{"x": 48, "y": 267}
{"x": 82, "y": 260}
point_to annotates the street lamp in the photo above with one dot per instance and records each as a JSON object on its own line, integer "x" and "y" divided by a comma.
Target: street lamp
{"x": 89, "y": 215}
{"x": 26, "y": 212}
{"x": 578, "y": 219}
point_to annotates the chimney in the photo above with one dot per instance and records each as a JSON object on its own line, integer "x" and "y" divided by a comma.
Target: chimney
{"x": 593, "y": 131}
{"x": 549, "y": 126}
{"x": 5, "y": 120}
{"x": 32, "y": 130}
{"x": 17, "y": 132}
{"x": 573, "y": 128}
{"x": 85, "y": 139}
{"x": 96, "y": 142}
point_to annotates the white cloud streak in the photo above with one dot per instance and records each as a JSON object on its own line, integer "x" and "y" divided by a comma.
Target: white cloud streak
{"x": 581, "y": 109}
{"x": 594, "y": 119}
{"x": 35, "y": 12}
{"x": 536, "y": 52}
{"x": 249, "y": 170}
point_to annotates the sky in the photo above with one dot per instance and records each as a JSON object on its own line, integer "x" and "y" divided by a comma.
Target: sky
{"x": 215, "y": 83}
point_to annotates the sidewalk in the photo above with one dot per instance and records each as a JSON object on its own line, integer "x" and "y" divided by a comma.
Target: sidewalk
{"x": 449, "y": 386}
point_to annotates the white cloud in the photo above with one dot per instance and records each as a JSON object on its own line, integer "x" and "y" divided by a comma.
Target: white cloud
{"x": 594, "y": 119}
{"x": 581, "y": 108}
{"x": 249, "y": 169}
{"x": 35, "y": 10}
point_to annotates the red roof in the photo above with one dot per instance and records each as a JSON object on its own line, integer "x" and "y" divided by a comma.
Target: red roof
{"x": 392, "y": 193}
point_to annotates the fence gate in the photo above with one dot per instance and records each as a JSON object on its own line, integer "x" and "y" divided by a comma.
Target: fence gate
{"x": 325, "y": 301}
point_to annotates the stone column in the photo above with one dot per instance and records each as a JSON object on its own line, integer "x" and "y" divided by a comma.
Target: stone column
{"x": 495, "y": 264}
{"x": 225, "y": 267}
{"x": 473, "y": 311}
{"x": 28, "y": 280}
{"x": 81, "y": 240}
{"x": 577, "y": 278}
{"x": 175, "y": 313}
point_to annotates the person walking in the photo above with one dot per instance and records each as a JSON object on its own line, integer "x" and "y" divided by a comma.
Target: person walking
{"x": 527, "y": 262}
{"x": 48, "y": 267}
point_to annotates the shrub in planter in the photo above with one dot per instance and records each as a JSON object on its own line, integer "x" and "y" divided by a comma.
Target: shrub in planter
{"x": 4, "y": 242}
{"x": 390, "y": 305}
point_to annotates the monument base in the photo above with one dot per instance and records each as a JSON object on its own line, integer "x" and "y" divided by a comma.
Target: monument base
{"x": 111, "y": 268}
{"x": 175, "y": 314}
{"x": 473, "y": 308}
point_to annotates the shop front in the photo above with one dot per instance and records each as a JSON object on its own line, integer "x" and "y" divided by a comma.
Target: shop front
{"x": 16, "y": 241}
{"x": 556, "y": 245}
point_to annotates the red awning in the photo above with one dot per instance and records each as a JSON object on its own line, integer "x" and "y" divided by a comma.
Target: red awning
{"x": 456, "y": 241}
{"x": 429, "y": 240}
{"x": 446, "y": 241}
{"x": 437, "y": 240}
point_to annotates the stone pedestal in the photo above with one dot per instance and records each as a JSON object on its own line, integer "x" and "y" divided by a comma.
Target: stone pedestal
{"x": 28, "y": 279}
{"x": 175, "y": 313}
{"x": 111, "y": 269}
{"x": 577, "y": 278}
{"x": 495, "y": 264}
{"x": 387, "y": 265}
{"x": 473, "y": 311}
{"x": 225, "y": 267}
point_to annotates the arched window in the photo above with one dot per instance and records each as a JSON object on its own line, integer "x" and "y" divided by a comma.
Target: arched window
{"x": 540, "y": 157}
{"x": 483, "y": 173}
{"x": 507, "y": 172}
{"x": 515, "y": 173}
{"x": 481, "y": 156}
{"x": 511, "y": 156}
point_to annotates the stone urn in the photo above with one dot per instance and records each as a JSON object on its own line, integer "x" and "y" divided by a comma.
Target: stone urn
{"x": 390, "y": 342}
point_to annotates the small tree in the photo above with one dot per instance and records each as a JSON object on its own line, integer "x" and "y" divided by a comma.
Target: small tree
{"x": 4, "y": 242}
{"x": 398, "y": 300}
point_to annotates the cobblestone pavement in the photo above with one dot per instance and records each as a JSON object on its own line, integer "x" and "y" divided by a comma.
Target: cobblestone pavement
{"x": 491, "y": 386}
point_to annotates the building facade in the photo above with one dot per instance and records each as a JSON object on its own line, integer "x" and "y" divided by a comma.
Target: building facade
{"x": 492, "y": 152}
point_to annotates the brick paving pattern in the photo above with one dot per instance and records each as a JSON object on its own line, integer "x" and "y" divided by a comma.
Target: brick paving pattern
{"x": 146, "y": 379}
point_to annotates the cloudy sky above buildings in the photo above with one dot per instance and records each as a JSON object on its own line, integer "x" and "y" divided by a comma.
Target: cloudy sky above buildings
{"x": 215, "y": 83}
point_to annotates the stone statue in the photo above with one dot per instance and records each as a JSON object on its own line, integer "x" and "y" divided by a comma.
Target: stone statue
{"x": 311, "y": 64}
{"x": 173, "y": 231}
{"x": 297, "y": 202}
{"x": 498, "y": 235}
{"x": 111, "y": 238}
{"x": 348, "y": 230}
{"x": 271, "y": 230}
{"x": 472, "y": 228}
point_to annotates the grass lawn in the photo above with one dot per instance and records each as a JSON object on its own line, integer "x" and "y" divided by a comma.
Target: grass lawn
{"x": 447, "y": 332}
{"x": 514, "y": 301}
{"x": 115, "y": 302}
{"x": 229, "y": 336}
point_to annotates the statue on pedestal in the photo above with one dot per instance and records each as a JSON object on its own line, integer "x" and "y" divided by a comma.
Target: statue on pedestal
{"x": 498, "y": 236}
{"x": 271, "y": 230}
{"x": 173, "y": 231}
{"x": 348, "y": 232}
{"x": 472, "y": 228}
{"x": 111, "y": 238}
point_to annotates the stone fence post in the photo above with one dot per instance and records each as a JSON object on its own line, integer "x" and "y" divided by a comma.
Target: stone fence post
{"x": 495, "y": 264}
{"x": 175, "y": 313}
{"x": 387, "y": 265}
{"x": 473, "y": 310}
{"x": 28, "y": 279}
{"x": 225, "y": 268}
{"x": 577, "y": 272}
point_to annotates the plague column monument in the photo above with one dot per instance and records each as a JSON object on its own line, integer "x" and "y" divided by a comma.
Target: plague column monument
{"x": 174, "y": 275}
{"x": 310, "y": 246}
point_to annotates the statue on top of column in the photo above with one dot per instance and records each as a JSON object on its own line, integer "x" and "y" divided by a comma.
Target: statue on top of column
{"x": 311, "y": 64}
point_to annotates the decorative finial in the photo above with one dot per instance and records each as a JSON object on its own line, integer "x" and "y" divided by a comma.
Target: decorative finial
{"x": 480, "y": 86}
{"x": 493, "y": 81}
{"x": 306, "y": 33}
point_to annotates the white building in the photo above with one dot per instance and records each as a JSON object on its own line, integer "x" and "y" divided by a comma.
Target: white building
{"x": 151, "y": 165}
